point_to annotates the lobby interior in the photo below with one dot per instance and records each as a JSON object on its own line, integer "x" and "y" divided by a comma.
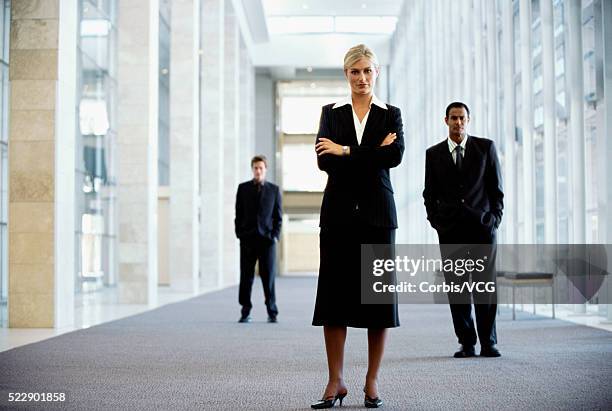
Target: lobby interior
{"x": 126, "y": 127}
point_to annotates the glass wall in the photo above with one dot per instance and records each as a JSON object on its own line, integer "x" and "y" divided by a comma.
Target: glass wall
{"x": 164, "y": 95}
{"x": 95, "y": 142}
{"x": 5, "y": 19}
{"x": 300, "y": 110}
{"x": 417, "y": 84}
{"x": 300, "y": 103}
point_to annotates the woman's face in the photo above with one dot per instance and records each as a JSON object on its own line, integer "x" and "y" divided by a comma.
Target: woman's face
{"x": 362, "y": 76}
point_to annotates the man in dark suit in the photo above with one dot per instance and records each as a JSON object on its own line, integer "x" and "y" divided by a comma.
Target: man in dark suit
{"x": 464, "y": 201}
{"x": 258, "y": 224}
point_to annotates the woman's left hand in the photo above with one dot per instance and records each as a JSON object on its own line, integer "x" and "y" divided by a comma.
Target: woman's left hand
{"x": 326, "y": 146}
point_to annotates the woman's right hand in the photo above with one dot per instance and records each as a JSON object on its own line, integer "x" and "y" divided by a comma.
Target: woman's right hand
{"x": 389, "y": 139}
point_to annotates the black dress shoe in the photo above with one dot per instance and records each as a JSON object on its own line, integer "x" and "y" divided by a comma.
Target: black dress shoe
{"x": 328, "y": 402}
{"x": 272, "y": 320}
{"x": 465, "y": 351}
{"x": 370, "y": 402}
{"x": 489, "y": 351}
{"x": 245, "y": 319}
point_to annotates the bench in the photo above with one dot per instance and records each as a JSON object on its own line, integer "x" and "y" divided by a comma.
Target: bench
{"x": 527, "y": 279}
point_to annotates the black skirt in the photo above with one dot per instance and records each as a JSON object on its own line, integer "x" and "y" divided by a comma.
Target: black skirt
{"x": 338, "y": 300}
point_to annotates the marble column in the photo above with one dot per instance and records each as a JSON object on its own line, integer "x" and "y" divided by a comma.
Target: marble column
{"x": 185, "y": 145}
{"x": 245, "y": 146}
{"x": 231, "y": 107}
{"x": 212, "y": 137}
{"x": 42, "y": 122}
{"x": 137, "y": 149}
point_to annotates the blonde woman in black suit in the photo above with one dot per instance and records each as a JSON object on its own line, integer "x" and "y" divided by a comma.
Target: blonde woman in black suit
{"x": 360, "y": 138}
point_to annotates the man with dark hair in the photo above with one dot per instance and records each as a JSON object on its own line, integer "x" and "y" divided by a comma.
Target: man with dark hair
{"x": 458, "y": 104}
{"x": 464, "y": 201}
{"x": 258, "y": 224}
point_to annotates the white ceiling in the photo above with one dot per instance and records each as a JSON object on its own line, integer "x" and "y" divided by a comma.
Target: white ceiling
{"x": 321, "y": 50}
{"x": 332, "y": 7}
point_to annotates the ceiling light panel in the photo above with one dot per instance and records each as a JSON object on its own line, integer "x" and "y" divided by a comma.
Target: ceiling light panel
{"x": 300, "y": 24}
{"x": 365, "y": 24}
{"x": 332, "y": 7}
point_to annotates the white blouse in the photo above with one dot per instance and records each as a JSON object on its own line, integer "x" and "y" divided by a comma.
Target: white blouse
{"x": 360, "y": 125}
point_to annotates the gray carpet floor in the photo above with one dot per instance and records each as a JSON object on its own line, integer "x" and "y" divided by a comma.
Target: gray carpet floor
{"x": 193, "y": 355}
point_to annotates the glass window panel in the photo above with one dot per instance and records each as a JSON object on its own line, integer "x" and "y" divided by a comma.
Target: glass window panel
{"x": 6, "y": 30}
{"x": 96, "y": 9}
{"x": 5, "y": 15}
{"x": 560, "y": 66}
{"x": 538, "y": 117}
{"x": 537, "y": 79}
{"x": 300, "y": 171}
{"x": 163, "y": 169}
{"x": 95, "y": 53}
{"x": 95, "y": 28}
{"x": 301, "y": 115}
{"x": 3, "y": 12}
{"x": 95, "y": 182}
{"x": 3, "y": 183}
{"x": 4, "y": 114}
{"x": 3, "y": 268}
{"x": 558, "y": 17}
{"x": 93, "y": 117}
{"x": 517, "y": 44}
{"x": 536, "y": 39}
{"x": 3, "y": 77}
{"x": 592, "y": 183}
{"x": 535, "y": 10}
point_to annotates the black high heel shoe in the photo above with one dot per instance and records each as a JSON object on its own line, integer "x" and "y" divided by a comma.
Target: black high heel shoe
{"x": 372, "y": 402}
{"x": 328, "y": 402}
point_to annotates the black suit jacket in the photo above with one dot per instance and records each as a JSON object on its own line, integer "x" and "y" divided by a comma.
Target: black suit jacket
{"x": 464, "y": 207}
{"x": 360, "y": 180}
{"x": 258, "y": 213}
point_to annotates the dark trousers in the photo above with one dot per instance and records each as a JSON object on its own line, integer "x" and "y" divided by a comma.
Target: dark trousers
{"x": 485, "y": 304}
{"x": 252, "y": 250}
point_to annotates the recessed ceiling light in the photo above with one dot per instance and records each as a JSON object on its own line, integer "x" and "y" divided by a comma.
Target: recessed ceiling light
{"x": 305, "y": 6}
{"x": 363, "y": 5}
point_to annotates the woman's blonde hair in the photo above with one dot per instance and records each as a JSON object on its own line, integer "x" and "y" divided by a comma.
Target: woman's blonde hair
{"x": 358, "y": 52}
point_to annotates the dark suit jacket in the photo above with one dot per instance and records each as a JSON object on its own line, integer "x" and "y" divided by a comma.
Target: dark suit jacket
{"x": 258, "y": 213}
{"x": 464, "y": 207}
{"x": 360, "y": 180}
